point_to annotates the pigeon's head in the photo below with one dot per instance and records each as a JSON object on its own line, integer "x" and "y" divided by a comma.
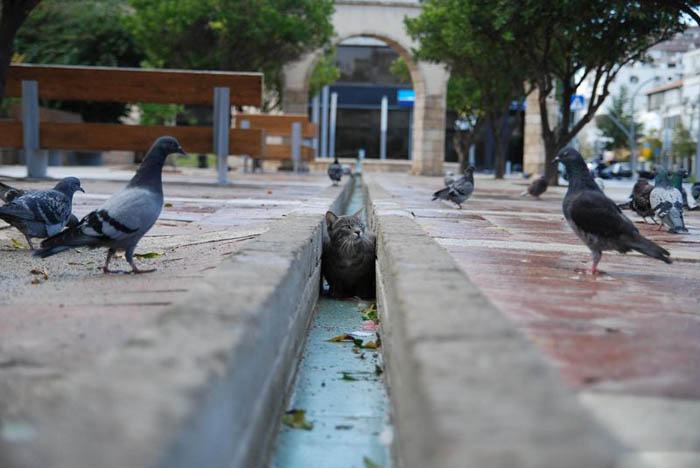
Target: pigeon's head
{"x": 168, "y": 145}
{"x": 572, "y": 160}
{"x": 470, "y": 170}
{"x": 69, "y": 186}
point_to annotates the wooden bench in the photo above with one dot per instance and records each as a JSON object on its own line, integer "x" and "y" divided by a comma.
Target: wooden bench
{"x": 129, "y": 85}
{"x": 296, "y": 128}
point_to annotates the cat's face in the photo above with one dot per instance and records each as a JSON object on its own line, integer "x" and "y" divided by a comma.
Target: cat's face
{"x": 346, "y": 229}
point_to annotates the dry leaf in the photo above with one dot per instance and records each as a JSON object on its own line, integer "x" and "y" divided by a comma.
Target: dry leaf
{"x": 296, "y": 419}
{"x": 148, "y": 255}
{"x": 40, "y": 272}
{"x": 16, "y": 244}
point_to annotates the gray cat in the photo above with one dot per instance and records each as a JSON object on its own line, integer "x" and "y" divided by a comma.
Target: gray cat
{"x": 348, "y": 256}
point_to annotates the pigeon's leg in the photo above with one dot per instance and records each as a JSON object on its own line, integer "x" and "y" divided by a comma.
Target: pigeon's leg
{"x": 110, "y": 254}
{"x": 129, "y": 254}
{"x": 29, "y": 241}
{"x": 596, "y": 255}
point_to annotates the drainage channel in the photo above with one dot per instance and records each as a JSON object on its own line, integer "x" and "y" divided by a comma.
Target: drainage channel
{"x": 338, "y": 411}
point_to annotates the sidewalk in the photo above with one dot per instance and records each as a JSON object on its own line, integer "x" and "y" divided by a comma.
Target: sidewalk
{"x": 628, "y": 342}
{"x": 50, "y": 327}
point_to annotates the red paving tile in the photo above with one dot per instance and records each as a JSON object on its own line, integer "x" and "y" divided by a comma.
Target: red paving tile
{"x": 635, "y": 330}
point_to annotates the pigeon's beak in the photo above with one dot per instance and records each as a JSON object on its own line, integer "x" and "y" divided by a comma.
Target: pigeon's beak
{"x": 181, "y": 151}
{"x": 81, "y": 189}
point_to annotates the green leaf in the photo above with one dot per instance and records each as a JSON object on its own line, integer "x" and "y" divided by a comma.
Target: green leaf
{"x": 16, "y": 244}
{"x": 348, "y": 376}
{"x": 296, "y": 419}
{"x": 369, "y": 463}
{"x": 148, "y": 255}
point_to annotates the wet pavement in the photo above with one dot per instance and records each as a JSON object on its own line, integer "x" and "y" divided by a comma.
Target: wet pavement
{"x": 53, "y": 323}
{"x": 632, "y": 334}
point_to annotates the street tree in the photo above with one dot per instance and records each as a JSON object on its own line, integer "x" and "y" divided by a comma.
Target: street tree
{"x": 13, "y": 13}
{"x": 566, "y": 42}
{"x": 619, "y": 109}
{"x": 486, "y": 79}
{"x": 682, "y": 143}
{"x": 232, "y": 35}
{"x": 80, "y": 32}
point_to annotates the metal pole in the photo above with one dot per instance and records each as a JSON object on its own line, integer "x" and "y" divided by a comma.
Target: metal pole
{"x": 35, "y": 159}
{"x": 324, "y": 121}
{"x": 472, "y": 155}
{"x": 315, "y": 115}
{"x": 696, "y": 165}
{"x": 296, "y": 145}
{"x": 334, "y": 112}
{"x": 222, "y": 124}
{"x": 383, "y": 127}
{"x": 410, "y": 134}
{"x": 245, "y": 125}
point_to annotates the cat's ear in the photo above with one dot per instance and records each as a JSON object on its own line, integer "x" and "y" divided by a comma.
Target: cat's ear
{"x": 358, "y": 215}
{"x": 330, "y": 218}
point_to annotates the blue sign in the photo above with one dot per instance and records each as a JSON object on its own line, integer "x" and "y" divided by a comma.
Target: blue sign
{"x": 577, "y": 103}
{"x": 405, "y": 97}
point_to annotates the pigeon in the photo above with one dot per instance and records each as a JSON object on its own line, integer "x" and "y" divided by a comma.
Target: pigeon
{"x": 458, "y": 191}
{"x": 40, "y": 213}
{"x": 695, "y": 191}
{"x": 596, "y": 219}
{"x": 639, "y": 200}
{"x": 667, "y": 203}
{"x": 7, "y": 194}
{"x": 449, "y": 178}
{"x": 125, "y": 217}
{"x": 536, "y": 188}
{"x": 335, "y": 171}
{"x": 677, "y": 181}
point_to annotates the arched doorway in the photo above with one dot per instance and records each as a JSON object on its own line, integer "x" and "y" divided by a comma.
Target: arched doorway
{"x": 384, "y": 21}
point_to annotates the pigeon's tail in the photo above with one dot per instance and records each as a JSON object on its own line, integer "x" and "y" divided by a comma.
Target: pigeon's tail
{"x": 64, "y": 240}
{"x": 443, "y": 194}
{"x": 643, "y": 245}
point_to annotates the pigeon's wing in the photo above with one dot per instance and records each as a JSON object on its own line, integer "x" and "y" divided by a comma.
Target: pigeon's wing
{"x": 47, "y": 207}
{"x": 131, "y": 211}
{"x": 595, "y": 213}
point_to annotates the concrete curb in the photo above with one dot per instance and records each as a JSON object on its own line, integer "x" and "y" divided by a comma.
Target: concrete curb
{"x": 467, "y": 389}
{"x": 202, "y": 387}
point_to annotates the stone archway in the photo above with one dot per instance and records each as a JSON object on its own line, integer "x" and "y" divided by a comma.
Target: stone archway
{"x": 384, "y": 21}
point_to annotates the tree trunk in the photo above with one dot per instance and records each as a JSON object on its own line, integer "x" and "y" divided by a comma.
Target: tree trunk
{"x": 13, "y": 14}
{"x": 459, "y": 140}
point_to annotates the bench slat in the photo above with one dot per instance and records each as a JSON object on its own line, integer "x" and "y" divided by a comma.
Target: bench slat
{"x": 135, "y": 84}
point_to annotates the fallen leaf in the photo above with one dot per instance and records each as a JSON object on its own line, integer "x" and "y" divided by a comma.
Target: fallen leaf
{"x": 40, "y": 272}
{"x": 369, "y": 463}
{"x": 348, "y": 376}
{"x": 168, "y": 205}
{"x": 340, "y": 338}
{"x": 371, "y": 345}
{"x": 16, "y": 244}
{"x": 296, "y": 419}
{"x": 370, "y": 313}
{"x": 378, "y": 369}
{"x": 148, "y": 255}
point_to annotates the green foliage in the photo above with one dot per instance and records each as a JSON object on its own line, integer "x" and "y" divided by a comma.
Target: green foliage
{"x": 80, "y": 32}
{"x": 234, "y": 35}
{"x": 324, "y": 73}
{"x": 399, "y": 68}
{"x": 159, "y": 114}
{"x": 682, "y": 143}
{"x": 619, "y": 108}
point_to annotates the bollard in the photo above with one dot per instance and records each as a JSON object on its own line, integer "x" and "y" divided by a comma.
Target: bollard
{"x": 296, "y": 145}
{"x": 245, "y": 124}
{"x": 35, "y": 159}
{"x": 222, "y": 124}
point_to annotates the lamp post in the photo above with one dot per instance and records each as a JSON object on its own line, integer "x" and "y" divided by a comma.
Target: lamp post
{"x": 632, "y": 130}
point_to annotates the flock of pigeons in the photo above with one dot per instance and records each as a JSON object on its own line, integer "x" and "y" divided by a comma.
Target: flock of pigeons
{"x": 118, "y": 225}
{"x": 595, "y": 218}
{"x": 122, "y": 220}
